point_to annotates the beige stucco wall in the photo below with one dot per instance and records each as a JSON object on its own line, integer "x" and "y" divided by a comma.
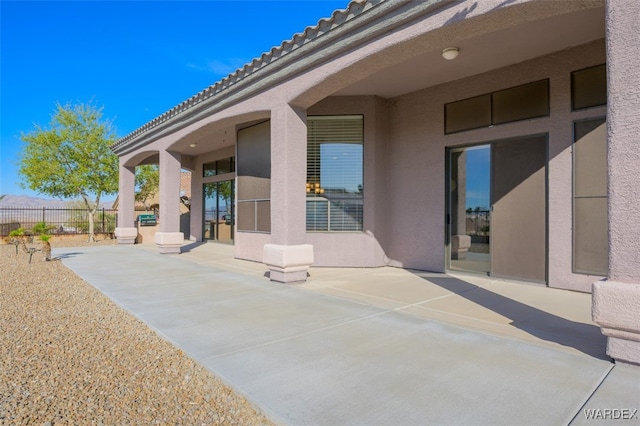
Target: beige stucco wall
{"x": 404, "y": 169}
{"x": 417, "y": 160}
{"x": 362, "y": 248}
{"x": 404, "y": 138}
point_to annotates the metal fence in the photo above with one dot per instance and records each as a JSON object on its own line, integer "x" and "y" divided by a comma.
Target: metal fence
{"x": 479, "y": 222}
{"x": 62, "y": 221}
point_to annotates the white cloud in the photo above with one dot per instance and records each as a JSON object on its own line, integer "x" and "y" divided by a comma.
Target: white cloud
{"x": 220, "y": 68}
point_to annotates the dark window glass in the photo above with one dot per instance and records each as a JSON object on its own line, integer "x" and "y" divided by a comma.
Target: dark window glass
{"x": 209, "y": 169}
{"x": 521, "y": 103}
{"x": 468, "y": 114}
{"x": 219, "y": 167}
{"x": 504, "y": 106}
{"x": 254, "y": 178}
{"x": 589, "y": 87}
{"x": 224, "y": 166}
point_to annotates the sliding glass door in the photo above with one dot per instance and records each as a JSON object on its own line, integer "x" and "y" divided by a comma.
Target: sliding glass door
{"x": 219, "y": 211}
{"x": 497, "y": 212}
{"x": 469, "y": 219}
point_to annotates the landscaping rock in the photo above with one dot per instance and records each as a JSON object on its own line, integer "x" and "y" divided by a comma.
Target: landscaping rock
{"x": 68, "y": 355}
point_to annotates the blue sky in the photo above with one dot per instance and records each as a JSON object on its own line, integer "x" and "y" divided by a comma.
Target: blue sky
{"x": 135, "y": 59}
{"x": 478, "y": 177}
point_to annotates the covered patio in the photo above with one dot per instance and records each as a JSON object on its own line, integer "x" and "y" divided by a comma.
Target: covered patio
{"x": 406, "y": 91}
{"x": 345, "y": 348}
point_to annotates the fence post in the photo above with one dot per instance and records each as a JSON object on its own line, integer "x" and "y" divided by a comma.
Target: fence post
{"x": 43, "y": 214}
{"x": 103, "y": 227}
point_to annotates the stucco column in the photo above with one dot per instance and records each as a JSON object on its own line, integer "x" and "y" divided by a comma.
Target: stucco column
{"x": 169, "y": 239}
{"x": 288, "y": 257}
{"x": 126, "y": 232}
{"x": 616, "y": 301}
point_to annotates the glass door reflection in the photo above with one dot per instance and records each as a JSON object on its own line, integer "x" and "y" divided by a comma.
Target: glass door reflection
{"x": 219, "y": 214}
{"x": 469, "y": 218}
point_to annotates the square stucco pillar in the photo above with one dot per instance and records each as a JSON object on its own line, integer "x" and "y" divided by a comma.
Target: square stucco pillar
{"x": 616, "y": 301}
{"x": 288, "y": 257}
{"x": 126, "y": 232}
{"x": 169, "y": 239}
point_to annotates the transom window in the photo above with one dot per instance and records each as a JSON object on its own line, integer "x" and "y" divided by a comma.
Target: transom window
{"x": 504, "y": 106}
{"x": 219, "y": 167}
{"x": 589, "y": 87}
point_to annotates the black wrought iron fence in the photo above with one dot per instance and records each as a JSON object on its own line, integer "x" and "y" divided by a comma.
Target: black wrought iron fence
{"x": 62, "y": 221}
{"x": 478, "y": 222}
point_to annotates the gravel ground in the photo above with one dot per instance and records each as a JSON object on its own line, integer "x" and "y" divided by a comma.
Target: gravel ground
{"x": 68, "y": 355}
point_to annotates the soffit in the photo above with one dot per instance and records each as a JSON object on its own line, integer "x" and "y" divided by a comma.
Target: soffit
{"x": 483, "y": 53}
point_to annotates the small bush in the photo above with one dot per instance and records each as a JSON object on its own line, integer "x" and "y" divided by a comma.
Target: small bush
{"x": 41, "y": 228}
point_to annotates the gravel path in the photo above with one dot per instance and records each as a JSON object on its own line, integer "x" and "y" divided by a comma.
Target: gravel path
{"x": 68, "y": 355}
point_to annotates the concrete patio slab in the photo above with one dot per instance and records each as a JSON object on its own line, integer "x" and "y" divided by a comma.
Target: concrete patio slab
{"x": 306, "y": 357}
{"x": 616, "y": 401}
{"x": 527, "y": 312}
{"x": 397, "y": 369}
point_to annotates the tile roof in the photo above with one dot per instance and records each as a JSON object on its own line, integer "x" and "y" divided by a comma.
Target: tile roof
{"x": 311, "y": 33}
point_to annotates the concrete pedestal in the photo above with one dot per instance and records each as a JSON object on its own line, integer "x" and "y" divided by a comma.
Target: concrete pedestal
{"x": 460, "y": 245}
{"x": 126, "y": 235}
{"x": 169, "y": 242}
{"x": 615, "y": 310}
{"x": 288, "y": 264}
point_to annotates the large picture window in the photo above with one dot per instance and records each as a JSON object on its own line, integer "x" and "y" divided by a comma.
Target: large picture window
{"x": 334, "y": 173}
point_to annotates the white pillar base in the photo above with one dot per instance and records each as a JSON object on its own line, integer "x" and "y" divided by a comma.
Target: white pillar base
{"x": 169, "y": 242}
{"x": 126, "y": 235}
{"x": 460, "y": 245}
{"x": 615, "y": 309}
{"x": 288, "y": 264}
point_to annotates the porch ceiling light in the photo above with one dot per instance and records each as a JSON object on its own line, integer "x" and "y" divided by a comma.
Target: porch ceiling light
{"x": 450, "y": 53}
{"x": 193, "y": 145}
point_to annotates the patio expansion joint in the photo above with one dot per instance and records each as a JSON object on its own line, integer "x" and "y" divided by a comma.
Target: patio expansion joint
{"x": 304, "y": 334}
{"x": 500, "y": 329}
{"x": 386, "y": 299}
{"x": 352, "y": 321}
{"x": 593, "y": 392}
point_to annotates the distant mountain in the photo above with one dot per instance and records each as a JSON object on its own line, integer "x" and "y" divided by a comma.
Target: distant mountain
{"x": 34, "y": 202}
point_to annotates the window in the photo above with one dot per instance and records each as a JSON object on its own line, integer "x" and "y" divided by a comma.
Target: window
{"x": 589, "y": 87}
{"x": 472, "y": 113}
{"x": 254, "y": 178}
{"x": 219, "y": 167}
{"x": 335, "y": 173}
{"x": 590, "y": 227}
{"x": 505, "y": 106}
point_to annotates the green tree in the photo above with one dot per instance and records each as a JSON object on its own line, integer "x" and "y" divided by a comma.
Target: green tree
{"x": 147, "y": 183}
{"x": 71, "y": 158}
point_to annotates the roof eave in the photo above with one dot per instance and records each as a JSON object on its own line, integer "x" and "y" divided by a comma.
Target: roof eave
{"x": 282, "y": 62}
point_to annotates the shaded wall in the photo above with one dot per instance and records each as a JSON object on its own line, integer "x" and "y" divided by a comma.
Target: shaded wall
{"x": 360, "y": 248}
{"x": 416, "y": 160}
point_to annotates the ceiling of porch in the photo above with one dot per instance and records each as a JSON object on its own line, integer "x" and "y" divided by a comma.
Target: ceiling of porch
{"x": 480, "y": 54}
